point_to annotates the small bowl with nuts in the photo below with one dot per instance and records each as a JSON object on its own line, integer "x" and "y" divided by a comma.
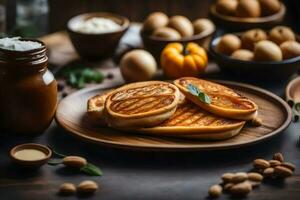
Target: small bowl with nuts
{"x": 159, "y": 29}
{"x": 239, "y": 15}
{"x": 257, "y": 53}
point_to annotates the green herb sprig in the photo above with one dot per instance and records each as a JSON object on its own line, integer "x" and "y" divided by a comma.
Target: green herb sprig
{"x": 78, "y": 77}
{"x": 89, "y": 168}
{"x": 194, "y": 90}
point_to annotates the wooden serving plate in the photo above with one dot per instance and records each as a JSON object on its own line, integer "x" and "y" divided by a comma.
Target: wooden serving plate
{"x": 274, "y": 112}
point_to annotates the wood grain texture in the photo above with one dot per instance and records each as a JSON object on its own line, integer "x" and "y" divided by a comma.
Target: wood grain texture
{"x": 273, "y": 111}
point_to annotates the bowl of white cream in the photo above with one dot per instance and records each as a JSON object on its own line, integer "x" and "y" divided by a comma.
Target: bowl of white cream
{"x": 96, "y": 35}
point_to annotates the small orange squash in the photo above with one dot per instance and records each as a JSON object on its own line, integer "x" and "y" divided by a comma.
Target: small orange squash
{"x": 178, "y": 60}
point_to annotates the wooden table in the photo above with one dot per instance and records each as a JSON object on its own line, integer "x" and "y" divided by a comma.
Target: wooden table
{"x": 145, "y": 175}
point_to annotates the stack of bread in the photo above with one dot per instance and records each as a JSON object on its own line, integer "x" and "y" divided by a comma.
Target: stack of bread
{"x": 190, "y": 108}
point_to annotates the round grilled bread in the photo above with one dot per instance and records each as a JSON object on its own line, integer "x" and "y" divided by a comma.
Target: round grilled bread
{"x": 225, "y": 102}
{"x": 95, "y": 107}
{"x": 142, "y": 104}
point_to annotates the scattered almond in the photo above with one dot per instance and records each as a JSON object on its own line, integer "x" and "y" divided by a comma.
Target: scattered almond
{"x": 253, "y": 176}
{"x": 74, "y": 161}
{"x": 254, "y": 183}
{"x": 241, "y": 189}
{"x": 67, "y": 189}
{"x": 227, "y": 186}
{"x": 239, "y": 177}
{"x": 215, "y": 191}
{"x": 268, "y": 172}
{"x": 274, "y": 163}
{"x": 282, "y": 172}
{"x": 87, "y": 187}
{"x": 260, "y": 164}
{"x": 227, "y": 177}
{"x": 289, "y": 165}
{"x": 278, "y": 156}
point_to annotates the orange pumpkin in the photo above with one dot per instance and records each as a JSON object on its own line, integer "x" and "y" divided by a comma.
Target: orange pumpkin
{"x": 178, "y": 60}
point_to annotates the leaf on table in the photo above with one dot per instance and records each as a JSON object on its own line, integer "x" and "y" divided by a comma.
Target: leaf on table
{"x": 91, "y": 169}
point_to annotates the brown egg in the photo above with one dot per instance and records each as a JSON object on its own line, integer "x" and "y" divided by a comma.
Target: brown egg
{"x": 290, "y": 49}
{"x": 167, "y": 33}
{"x": 248, "y": 8}
{"x": 249, "y": 38}
{"x": 226, "y": 7}
{"x": 155, "y": 20}
{"x": 138, "y": 65}
{"x": 243, "y": 54}
{"x": 269, "y": 7}
{"x": 203, "y": 25}
{"x": 228, "y": 44}
{"x": 266, "y": 50}
{"x": 182, "y": 24}
{"x": 280, "y": 34}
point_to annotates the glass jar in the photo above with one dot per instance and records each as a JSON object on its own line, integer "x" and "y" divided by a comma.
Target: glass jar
{"x": 28, "y": 91}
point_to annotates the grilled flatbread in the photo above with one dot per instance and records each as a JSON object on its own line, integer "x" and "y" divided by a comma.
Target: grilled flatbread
{"x": 190, "y": 121}
{"x": 95, "y": 107}
{"x": 225, "y": 102}
{"x": 142, "y": 104}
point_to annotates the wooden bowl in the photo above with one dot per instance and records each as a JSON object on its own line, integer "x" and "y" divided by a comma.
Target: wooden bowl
{"x": 100, "y": 45}
{"x": 31, "y": 163}
{"x": 155, "y": 45}
{"x": 264, "y": 70}
{"x": 232, "y": 23}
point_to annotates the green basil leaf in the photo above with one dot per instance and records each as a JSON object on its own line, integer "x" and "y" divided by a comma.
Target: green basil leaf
{"x": 198, "y": 93}
{"x": 55, "y": 161}
{"x": 91, "y": 169}
{"x": 72, "y": 79}
{"x": 81, "y": 82}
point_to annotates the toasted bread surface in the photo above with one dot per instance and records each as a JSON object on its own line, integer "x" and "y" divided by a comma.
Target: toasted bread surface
{"x": 191, "y": 121}
{"x": 141, "y": 104}
{"x": 225, "y": 102}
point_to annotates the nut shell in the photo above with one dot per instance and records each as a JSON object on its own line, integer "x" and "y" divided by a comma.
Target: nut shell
{"x": 253, "y": 176}
{"x": 227, "y": 177}
{"x": 269, "y": 7}
{"x": 203, "y": 25}
{"x": 260, "y": 164}
{"x": 280, "y": 34}
{"x": 239, "y": 177}
{"x": 226, "y": 7}
{"x": 241, "y": 189}
{"x": 250, "y": 37}
{"x": 67, "y": 189}
{"x": 228, "y": 44}
{"x": 243, "y": 54}
{"x": 74, "y": 161}
{"x": 290, "y": 49}
{"x": 267, "y": 51}
{"x": 282, "y": 172}
{"x": 87, "y": 187}
{"x": 278, "y": 156}
{"x": 215, "y": 191}
{"x": 167, "y": 33}
{"x": 248, "y": 8}
{"x": 138, "y": 65}
{"x": 154, "y": 21}
{"x": 182, "y": 24}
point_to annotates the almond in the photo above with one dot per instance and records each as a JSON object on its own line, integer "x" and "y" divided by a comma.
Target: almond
{"x": 241, "y": 189}
{"x": 278, "y": 156}
{"x": 67, "y": 189}
{"x": 239, "y": 177}
{"x": 253, "y": 176}
{"x": 215, "y": 191}
{"x": 87, "y": 187}
{"x": 74, "y": 161}
{"x": 261, "y": 164}
{"x": 254, "y": 183}
{"x": 268, "y": 172}
{"x": 274, "y": 163}
{"x": 227, "y": 186}
{"x": 227, "y": 177}
{"x": 282, "y": 172}
{"x": 289, "y": 165}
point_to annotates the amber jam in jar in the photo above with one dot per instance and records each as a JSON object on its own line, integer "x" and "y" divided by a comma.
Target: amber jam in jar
{"x": 28, "y": 90}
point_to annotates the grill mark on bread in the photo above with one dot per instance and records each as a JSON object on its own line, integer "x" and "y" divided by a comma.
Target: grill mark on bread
{"x": 220, "y": 95}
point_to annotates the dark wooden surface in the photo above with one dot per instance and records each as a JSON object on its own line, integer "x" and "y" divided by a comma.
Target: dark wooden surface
{"x": 149, "y": 175}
